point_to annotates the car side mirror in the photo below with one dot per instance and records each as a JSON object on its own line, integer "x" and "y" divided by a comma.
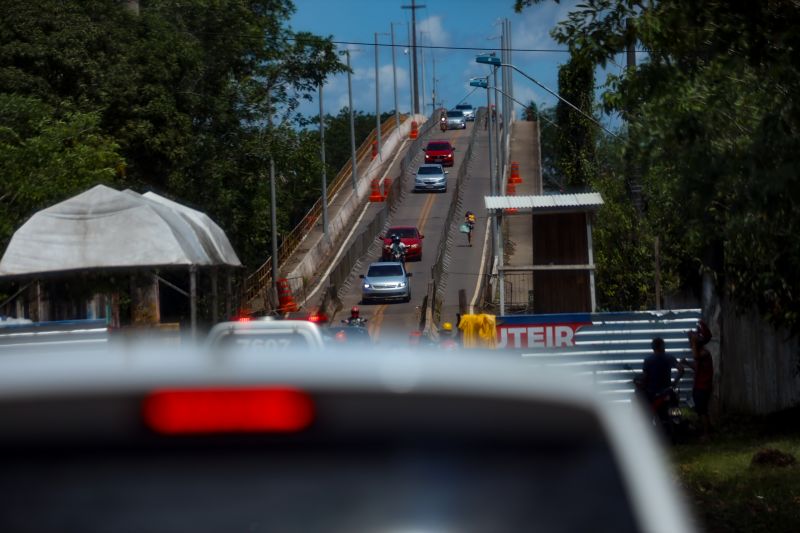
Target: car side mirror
{"x": 408, "y": 274}
{"x": 381, "y": 237}
{"x": 422, "y": 236}
{"x": 454, "y": 148}
{"x": 361, "y": 276}
{"x": 447, "y": 172}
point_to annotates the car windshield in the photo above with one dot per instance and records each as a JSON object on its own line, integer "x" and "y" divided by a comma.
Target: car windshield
{"x": 468, "y": 107}
{"x": 438, "y": 146}
{"x": 384, "y": 271}
{"x": 403, "y": 232}
{"x": 455, "y": 114}
{"x": 430, "y": 170}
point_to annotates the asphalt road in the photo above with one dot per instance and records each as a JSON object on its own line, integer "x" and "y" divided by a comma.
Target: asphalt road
{"x": 393, "y": 321}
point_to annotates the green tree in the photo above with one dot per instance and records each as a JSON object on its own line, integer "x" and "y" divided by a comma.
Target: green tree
{"x": 713, "y": 131}
{"x": 45, "y": 158}
{"x": 185, "y": 89}
{"x": 576, "y": 135}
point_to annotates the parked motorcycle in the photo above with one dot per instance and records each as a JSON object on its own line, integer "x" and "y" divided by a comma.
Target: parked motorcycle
{"x": 665, "y": 411}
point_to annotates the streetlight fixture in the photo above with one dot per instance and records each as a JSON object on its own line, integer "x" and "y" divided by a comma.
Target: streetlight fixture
{"x": 494, "y": 61}
{"x": 483, "y": 83}
{"x": 353, "y": 164}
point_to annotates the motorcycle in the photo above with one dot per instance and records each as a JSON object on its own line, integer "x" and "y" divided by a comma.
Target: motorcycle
{"x": 355, "y": 322}
{"x": 399, "y": 255}
{"x": 443, "y": 124}
{"x": 665, "y": 411}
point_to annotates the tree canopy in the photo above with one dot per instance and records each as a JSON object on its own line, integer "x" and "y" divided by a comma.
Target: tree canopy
{"x": 712, "y": 134}
{"x": 176, "y": 98}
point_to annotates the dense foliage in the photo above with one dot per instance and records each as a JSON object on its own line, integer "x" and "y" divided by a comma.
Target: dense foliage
{"x": 712, "y": 136}
{"x": 176, "y": 98}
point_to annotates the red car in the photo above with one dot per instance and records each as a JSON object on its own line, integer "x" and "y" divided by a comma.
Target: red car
{"x": 410, "y": 236}
{"x": 440, "y": 152}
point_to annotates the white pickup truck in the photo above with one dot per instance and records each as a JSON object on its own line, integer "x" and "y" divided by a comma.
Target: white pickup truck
{"x": 267, "y": 336}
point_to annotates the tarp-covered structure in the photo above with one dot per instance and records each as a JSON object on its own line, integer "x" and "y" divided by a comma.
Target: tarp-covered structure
{"x": 103, "y": 229}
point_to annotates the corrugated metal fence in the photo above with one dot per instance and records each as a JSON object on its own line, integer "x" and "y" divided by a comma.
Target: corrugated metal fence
{"x": 67, "y": 334}
{"x": 607, "y": 349}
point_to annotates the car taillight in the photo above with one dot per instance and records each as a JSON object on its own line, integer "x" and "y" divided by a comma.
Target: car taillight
{"x": 227, "y": 410}
{"x": 317, "y": 318}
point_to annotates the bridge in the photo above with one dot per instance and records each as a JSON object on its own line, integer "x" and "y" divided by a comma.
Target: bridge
{"x": 450, "y": 276}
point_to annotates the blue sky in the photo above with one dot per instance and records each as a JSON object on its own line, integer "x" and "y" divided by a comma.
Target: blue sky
{"x": 459, "y": 23}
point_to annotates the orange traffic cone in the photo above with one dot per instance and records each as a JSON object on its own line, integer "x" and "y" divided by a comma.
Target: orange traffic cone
{"x": 375, "y": 194}
{"x": 414, "y": 130}
{"x": 286, "y": 303}
{"x": 511, "y": 189}
{"x": 515, "y": 173}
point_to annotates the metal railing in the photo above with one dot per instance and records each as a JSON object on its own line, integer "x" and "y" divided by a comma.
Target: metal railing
{"x": 447, "y": 231}
{"x": 368, "y": 237}
{"x": 518, "y": 292}
{"x": 259, "y": 282}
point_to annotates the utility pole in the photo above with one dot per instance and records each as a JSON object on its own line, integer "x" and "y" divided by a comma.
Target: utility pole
{"x": 422, "y": 60}
{"x": 433, "y": 93}
{"x": 273, "y": 206}
{"x": 413, "y": 7}
{"x": 352, "y": 122}
{"x": 394, "y": 80}
{"x": 410, "y": 75}
{"x": 324, "y": 172}
{"x": 377, "y": 97}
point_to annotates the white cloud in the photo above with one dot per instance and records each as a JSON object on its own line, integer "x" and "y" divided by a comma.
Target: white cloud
{"x": 432, "y": 32}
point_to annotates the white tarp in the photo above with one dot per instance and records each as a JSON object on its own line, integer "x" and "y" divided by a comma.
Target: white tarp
{"x": 106, "y": 228}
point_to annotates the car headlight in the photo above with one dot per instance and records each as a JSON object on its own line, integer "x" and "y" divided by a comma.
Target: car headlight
{"x": 414, "y": 246}
{"x": 402, "y": 285}
{"x": 366, "y": 285}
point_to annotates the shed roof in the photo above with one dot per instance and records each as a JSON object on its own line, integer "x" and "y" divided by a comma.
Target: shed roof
{"x": 546, "y": 203}
{"x": 104, "y": 228}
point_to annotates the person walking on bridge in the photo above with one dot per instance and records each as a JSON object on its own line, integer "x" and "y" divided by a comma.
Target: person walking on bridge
{"x": 468, "y": 226}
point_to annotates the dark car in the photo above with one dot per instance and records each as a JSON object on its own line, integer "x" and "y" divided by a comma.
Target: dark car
{"x": 410, "y": 236}
{"x": 440, "y": 152}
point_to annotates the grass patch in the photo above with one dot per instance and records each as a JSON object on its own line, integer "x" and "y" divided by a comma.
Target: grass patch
{"x": 728, "y": 493}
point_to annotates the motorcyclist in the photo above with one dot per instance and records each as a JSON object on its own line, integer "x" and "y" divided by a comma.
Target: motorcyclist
{"x": 355, "y": 317}
{"x": 443, "y": 120}
{"x": 657, "y": 372}
{"x": 448, "y": 337}
{"x": 398, "y": 248}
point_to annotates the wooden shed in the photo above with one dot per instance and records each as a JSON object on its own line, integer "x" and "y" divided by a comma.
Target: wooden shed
{"x": 561, "y": 239}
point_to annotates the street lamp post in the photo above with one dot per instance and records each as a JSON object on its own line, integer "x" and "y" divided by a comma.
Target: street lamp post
{"x": 324, "y": 171}
{"x": 497, "y": 249}
{"x": 496, "y": 62}
{"x": 352, "y": 122}
{"x": 394, "y": 80}
{"x": 377, "y": 98}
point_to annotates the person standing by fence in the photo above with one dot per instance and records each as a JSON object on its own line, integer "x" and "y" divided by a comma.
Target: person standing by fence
{"x": 703, "y": 367}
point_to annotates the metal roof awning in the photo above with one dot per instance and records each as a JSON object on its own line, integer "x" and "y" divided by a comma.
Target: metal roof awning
{"x": 546, "y": 203}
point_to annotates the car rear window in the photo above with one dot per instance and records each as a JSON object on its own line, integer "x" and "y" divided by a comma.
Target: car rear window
{"x": 381, "y": 271}
{"x": 438, "y": 146}
{"x": 466, "y": 107}
{"x": 429, "y": 170}
{"x": 403, "y": 232}
{"x": 367, "y": 463}
{"x": 455, "y": 114}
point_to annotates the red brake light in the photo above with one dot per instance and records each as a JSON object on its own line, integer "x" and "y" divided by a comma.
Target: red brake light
{"x": 243, "y": 319}
{"x": 317, "y": 318}
{"x": 227, "y": 410}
